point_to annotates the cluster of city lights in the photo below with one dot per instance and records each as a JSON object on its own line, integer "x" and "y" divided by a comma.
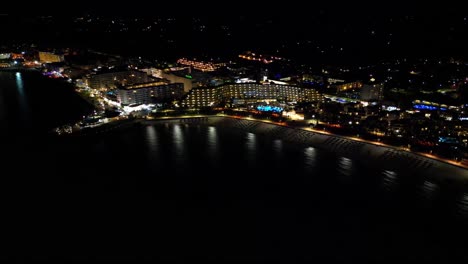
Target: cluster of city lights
{"x": 259, "y": 57}
{"x": 200, "y": 65}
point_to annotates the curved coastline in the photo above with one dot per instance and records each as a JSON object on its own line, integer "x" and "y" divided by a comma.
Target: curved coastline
{"x": 372, "y": 154}
{"x": 382, "y": 156}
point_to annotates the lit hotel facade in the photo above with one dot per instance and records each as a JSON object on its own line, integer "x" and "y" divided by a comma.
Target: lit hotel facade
{"x": 49, "y": 57}
{"x": 150, "y": 92}
{"x": 205, "y": 97}
{"x": 111, "y": 80}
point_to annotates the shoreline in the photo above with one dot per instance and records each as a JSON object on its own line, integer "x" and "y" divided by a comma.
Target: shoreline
{"x": 432, "y": 157}
{"x": 386, "y": 156}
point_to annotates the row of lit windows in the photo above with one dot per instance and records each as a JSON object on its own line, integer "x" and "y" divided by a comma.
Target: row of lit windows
{"x": 254, "y": 90}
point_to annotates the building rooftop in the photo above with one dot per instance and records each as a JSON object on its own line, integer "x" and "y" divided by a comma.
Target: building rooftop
{"x": 144, "y": 85}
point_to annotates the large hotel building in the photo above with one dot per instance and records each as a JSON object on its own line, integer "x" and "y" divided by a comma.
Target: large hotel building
{"x": 205, "y": 97}
{"x": 113, "y": 79}
{"x": 149, "y": 92}
{"x": 49, "y": 57}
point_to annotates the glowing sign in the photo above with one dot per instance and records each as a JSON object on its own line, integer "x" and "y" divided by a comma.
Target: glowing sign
{"x": 448, "y": 140}
{"x": 425, "y": 107}
{"x": 269, "y": 108}
{"x": 428, "y": 107}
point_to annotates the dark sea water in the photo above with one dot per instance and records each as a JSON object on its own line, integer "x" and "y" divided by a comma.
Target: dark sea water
{"x": 31, "y": 104}
{"x": 183, "y": 193}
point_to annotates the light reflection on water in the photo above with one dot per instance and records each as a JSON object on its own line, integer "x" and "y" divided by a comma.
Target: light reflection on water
{"x": 251, "y": 148}
{"x": 19, "y": 83}
{"x": 277, "y": 147}
{"x": 429, "y": 190}
{"x": 310, "y": 155}
{"x": 178, "y": 141}
{"x": 345, "y": 166}
{"x": 152, "y": 139}
{"x": 463, "y": 205}
{"x": 389, "y": 180}
{"x": 212, "y": 142}
{"x": 22, "y": 97}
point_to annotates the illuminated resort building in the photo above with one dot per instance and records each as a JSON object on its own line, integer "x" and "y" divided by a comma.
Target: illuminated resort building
{"x": 150, "y": 92}
{"x": 111, "y": 80}
{"x": 347, "y": 86}
{"x": 250, "y": 92}
{"x": 49, "y": 57}
{"x": 364, "y": 91}
{"x": 201, "y": 65}
{"x": 202, "y": 97}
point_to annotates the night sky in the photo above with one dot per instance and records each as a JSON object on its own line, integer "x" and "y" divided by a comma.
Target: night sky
{"x": 332, "y": 33}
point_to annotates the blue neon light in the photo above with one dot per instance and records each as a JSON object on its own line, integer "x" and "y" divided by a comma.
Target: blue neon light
{"x": 269, "y": 108}
{"x": 449, "y": 140}
{"x": 425, "y": 107}
{"x": 428, "y": 107}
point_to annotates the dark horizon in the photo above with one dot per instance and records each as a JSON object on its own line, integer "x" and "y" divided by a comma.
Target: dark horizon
{"x": 345, "y": 34}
